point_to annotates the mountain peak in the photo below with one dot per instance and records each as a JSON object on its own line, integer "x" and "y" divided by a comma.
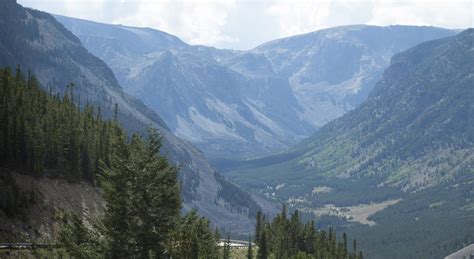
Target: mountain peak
{"x": 280, "y": 92}
{"x": 467, "y": 33}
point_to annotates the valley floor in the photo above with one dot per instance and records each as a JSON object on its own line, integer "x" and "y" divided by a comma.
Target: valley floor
{"x": 357, "y": 213}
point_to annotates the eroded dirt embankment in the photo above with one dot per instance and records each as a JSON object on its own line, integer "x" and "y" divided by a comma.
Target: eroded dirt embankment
{"x": 47, "y": 198}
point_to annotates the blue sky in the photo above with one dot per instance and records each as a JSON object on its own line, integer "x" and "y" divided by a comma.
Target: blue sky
{"x": 244, "y": 24}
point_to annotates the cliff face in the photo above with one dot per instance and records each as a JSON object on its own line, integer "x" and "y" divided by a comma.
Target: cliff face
{"x": 411, "y": 141}
{"x": 247, "y": 104}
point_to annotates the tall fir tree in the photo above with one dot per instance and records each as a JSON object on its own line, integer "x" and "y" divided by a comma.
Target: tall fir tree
{"x": 249, "y": 249}
{"x": 262, "y": 252}
{"x": 226, "y": 249}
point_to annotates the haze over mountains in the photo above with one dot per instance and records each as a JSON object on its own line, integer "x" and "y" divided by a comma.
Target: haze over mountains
{"x": 368, "y": 129}
{"x": 410, "y": 145}
{"x": 242, "y": 104}
{"x": 37, "y": 42}
{"x": 404, "y": 153}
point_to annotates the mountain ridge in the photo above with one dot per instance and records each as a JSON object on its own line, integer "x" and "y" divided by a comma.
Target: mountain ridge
{"x": 39, "y": 43}
{"x": 411, "y": 143}
{"x": 276, "y": 98}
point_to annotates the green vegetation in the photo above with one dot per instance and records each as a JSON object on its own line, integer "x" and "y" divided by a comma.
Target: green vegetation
{"x": 192, "y": 238}
{"x": 45, "y": 133}
{"x": 226, "y": 249}
{"x": 413, "y": 139}
{"x": 414, "y": 228}
{"x": 35, "y": 253}
{"x": 415, "y": 131}
{"x": 13, "y": 200}
{"x": 291, "y": 238}
{"x": 250, "y": 250}
{"x": 243, "y": 201}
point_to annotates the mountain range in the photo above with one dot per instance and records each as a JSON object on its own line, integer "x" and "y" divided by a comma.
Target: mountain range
{"x": 367, "y": 129}
{"x": 246, "y": 104}
{"x": 36, "y": 42}
{"x": 398, "y": 169}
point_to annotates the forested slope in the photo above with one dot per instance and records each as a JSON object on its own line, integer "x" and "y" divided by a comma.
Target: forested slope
{"x": 39, "y": 44}
{"x": 411, "y": 141}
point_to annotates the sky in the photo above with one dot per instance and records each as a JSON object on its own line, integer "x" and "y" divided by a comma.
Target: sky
{"x": 244, "y": 24}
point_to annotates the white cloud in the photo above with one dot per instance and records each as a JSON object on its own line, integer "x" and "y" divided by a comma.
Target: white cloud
{"x": 197, "y": 22}
{"x": 449, "y": 14}
{"x": 301, "y": 16}
{"x": 296, "y": 17}
{"x": 243, "y": 24}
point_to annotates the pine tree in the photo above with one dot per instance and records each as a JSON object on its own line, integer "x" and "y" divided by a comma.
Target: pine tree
{"x": 310, "y": 238}
{"x": 226, "y": 252}
{"x": 354, "y": 247}
{"x": 249, "y": 250}
{"x": 262, "y": 252}
{"x": 258, "y": 227}
{"x": 292, "y": 238}
{"x": 78, "y": 240}
{"x": 42, "y": 132}
{"x": 154, "y": 193}
{"x": 344, "y": 245}
{"x": 192, "y": 238}
{"x": 117, "y": 184}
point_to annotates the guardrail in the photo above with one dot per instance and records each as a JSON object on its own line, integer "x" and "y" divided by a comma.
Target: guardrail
{"x": 235, "y": 243}
{"x": 30, "y": 246}
{"x": 17, "y": 246}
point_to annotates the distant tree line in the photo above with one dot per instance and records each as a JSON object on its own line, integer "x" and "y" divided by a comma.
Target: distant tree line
{"x": 285, "y": 237}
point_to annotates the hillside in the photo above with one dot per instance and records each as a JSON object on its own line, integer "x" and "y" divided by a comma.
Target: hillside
{"x": 37, "y": 42}
{"x": 410, "y": 146}
{"x": 246, "y": 104}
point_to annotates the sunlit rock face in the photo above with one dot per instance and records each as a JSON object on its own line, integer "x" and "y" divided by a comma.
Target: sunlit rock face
{"x": 249, "y": 103}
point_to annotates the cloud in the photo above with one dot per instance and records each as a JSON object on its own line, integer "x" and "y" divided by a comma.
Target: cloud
{"x": 197, "y": 22}
{"x": 301, "y": 16}
{"x": 296, "y": 17}
{"x": 243, "y": 24}
{"x": 449, "y": 14}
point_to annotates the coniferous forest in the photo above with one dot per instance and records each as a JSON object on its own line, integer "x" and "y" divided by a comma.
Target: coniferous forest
{"x": 46, "y": 134}
{"x": 209, "y": 136}
{"x": 290, "y": 237}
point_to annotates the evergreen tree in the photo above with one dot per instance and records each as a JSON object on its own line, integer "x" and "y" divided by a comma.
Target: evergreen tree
{"x": 79, "y": 241}
{"x": 262, "y": 252}
{"x": 293, "y": 238}
{"x": 354, "y": 247}
{"x": 226, "y": 250}
{"x": 117, "y": 195}
{"x": 258, "y": 227}
{"x": 154, "y": 193}
{"x": 344, "y": 247}
{"x": 193, "y": 238}
{"x": 42, "y": 133}
{"x": 249, "y": 250}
